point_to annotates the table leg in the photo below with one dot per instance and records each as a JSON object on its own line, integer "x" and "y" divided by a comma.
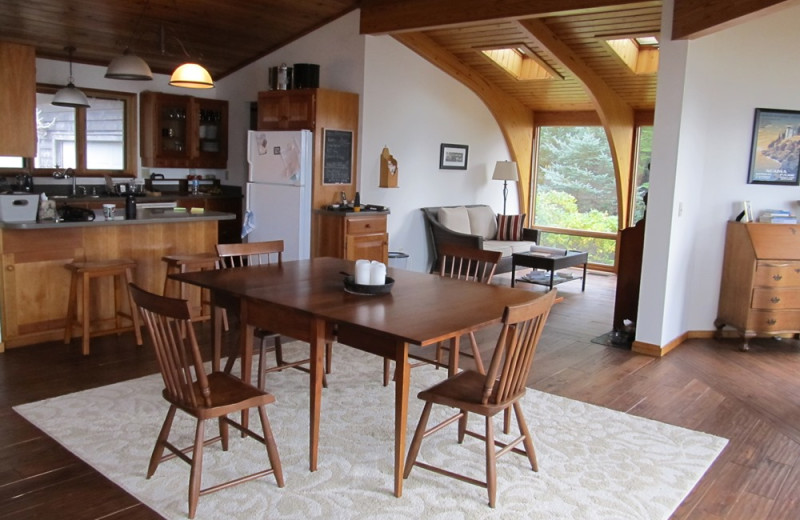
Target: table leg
{"x": 583, "y": 284}
{"x": 216, "y": 335}
{"x": 552, "y": 272}
{"x": 452, "y": 367}
{"x": 318, "y": 338}
{"x": 401, "y": 383}
{"x": 513, "y": 271}
{"x": 246, "y": 332}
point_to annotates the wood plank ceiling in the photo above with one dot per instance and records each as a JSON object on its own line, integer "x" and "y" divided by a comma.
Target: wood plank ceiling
{"x": 222, "y": 35}
{"x": 225, "y": 36}
{"x": 584, "y": 33}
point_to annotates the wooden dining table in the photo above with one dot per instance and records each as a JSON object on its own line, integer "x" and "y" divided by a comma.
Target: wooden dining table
{"x": 306, "y": 300}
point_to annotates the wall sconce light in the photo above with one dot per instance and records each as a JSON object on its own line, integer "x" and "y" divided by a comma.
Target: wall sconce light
{"x": 70, "y": 96}
{"x": 505, "y": 171}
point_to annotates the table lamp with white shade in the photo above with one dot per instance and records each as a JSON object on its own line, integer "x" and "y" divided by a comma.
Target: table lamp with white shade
{"x": 505, "y": 171}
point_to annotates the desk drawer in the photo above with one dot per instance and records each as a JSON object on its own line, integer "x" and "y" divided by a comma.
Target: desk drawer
{"x": 774, "y": 321}
{"x": 772, "y": 273}
{"x": 365, "y": 225}
{"x": 776, "y": 298}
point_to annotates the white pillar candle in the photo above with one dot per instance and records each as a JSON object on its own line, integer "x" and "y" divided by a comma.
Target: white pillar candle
{"x": 377, "y": 273}
{"x": 362, "y": 272}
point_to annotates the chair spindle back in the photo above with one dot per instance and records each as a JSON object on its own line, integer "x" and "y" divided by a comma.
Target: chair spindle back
{"x": 513, "y": 356}
{"x": 169, "y": 322}
{"x": 466, "y": 263}
{"x": 251, "y": 253}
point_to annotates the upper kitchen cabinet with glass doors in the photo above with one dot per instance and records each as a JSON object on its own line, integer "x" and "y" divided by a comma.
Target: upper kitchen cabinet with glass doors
{"x": 183, "y": 131}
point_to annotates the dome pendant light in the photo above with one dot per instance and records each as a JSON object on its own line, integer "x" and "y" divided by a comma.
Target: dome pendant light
{"x": 129, "y": 66}
{"x": 191, "y": 75}
{"x": 70, "y": 96}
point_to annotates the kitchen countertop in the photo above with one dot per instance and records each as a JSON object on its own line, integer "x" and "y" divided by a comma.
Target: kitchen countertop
{"x": 349, "y": 212}
{"x": 144, "y": 216}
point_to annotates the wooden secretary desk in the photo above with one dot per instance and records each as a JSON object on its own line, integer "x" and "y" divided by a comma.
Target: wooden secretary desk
{"x": 760, "y": 291}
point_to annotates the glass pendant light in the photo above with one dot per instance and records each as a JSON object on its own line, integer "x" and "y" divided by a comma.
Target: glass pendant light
{"x": 129, "y": 66}
{"x": 70, "y": 96}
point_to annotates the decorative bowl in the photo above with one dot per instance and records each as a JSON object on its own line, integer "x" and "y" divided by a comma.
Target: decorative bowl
{"x": 352, "y": 287}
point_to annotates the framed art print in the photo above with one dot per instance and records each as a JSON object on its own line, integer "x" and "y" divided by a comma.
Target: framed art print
{"x": 775, "y": 151}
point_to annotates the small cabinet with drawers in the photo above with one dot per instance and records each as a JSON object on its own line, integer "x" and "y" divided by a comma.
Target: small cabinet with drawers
{"x": 351, "y": 235}
{"x": 760, "y": 290}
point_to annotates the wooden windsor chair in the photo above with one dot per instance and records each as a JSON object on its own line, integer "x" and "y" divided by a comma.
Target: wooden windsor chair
{"x": 203, "y": 396}
{"x": 264, "y": 253}
{"x": 461, "y": 263}
{"x": 499, "y": 389}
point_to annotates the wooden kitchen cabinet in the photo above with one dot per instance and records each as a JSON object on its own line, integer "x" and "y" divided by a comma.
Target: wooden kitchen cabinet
{"x": 760, "y": 290}
{"x": 183, "y": 131}
{"x": 35, "y": 285}
{"x": 287, "y": 109}
{"x": 318, "y": 110}
{"x": 17, "y": 100}
{"x": 351, "y": 236}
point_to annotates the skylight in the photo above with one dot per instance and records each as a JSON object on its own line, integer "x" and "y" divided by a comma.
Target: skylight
{"x": 639, "y": 53}
{"x": 521, "y": 62}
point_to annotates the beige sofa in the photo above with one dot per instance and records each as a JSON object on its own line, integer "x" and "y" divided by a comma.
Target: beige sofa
{"x": 473, "y": 226}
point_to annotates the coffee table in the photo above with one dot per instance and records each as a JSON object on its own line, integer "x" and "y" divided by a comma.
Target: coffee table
{"x": 549, "y": 262}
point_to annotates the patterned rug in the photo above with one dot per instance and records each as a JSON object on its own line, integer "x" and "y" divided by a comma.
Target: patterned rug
{"x": 594, "y": 463}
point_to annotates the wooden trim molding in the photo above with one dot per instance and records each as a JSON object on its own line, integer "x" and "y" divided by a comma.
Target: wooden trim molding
{"x": 615, "y": 114}
{"x": 514, "y": 119}
{"x": 649, "y": 349}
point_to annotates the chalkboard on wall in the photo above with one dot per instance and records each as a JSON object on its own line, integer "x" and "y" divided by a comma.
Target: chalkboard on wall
{"x": 337, "y": 157}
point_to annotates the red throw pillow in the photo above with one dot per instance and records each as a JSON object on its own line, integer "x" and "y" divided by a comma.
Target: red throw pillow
{"x": 509, "y": 227}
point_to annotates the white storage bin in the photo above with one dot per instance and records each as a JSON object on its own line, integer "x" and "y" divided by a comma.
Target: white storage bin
{"x": 21, "y": 207}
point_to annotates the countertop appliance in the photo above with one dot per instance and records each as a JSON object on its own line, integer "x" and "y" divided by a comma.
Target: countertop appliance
{"x": 278, "y": 193}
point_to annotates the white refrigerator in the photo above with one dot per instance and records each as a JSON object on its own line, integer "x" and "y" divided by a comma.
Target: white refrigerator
{"x": 278, "y": 192}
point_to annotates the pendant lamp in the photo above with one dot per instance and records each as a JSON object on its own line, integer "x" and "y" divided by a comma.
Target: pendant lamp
{"x": 191, "y": 75}
{"x": 70, "y": 96}
{"x": 129, "y": 66}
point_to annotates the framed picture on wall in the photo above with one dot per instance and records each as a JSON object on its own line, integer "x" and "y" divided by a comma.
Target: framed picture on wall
{"x": 775, "y": 151}
{"x": 453, "y": 156}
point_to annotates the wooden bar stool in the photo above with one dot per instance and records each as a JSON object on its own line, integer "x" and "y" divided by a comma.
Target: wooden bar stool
{"x": 187, "y": 264}
{"x": 121, "y": 273}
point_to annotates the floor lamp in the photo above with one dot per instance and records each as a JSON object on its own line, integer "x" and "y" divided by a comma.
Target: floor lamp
{"x": 505, "y": 171}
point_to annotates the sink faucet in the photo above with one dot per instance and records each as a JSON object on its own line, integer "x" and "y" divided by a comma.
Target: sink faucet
{"x": 69, "y": 173}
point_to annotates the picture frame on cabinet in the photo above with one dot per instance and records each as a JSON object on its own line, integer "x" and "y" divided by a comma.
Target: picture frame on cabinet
{"x": 775, "y": 149}
{"x": 453, "y": 156}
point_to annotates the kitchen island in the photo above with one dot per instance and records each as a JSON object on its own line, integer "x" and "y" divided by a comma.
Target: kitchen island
{"x": 35, "y": 284}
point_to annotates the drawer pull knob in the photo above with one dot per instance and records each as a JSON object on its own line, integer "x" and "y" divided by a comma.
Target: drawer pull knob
{"x": 777, "y": 277}
{"x": 775, "y": 299}
{"x": 772, "y": 321}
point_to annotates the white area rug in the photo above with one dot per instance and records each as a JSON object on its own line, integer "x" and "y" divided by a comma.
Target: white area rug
{"x": 594, "y": 463}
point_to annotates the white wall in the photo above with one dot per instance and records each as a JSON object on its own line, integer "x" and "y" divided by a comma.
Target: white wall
{"x": 412, "y": 107}
{"x": 702, "y": 141}
{"x": 337, "y": 48}
{"x": 407, "y": 105}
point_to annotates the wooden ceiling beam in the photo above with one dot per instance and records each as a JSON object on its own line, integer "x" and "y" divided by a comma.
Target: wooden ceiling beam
{"x": 616, "y": 116}
{"x": 514, "y": 118}
{"x": 693, "y": 19}
{"x": 394, "y": 16}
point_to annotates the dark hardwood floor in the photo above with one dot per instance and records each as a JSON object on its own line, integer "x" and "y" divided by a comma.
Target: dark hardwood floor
{"x": 751, "y": 398}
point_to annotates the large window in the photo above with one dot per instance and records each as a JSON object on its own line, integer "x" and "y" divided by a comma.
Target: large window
{"x": 93, "y": 141}
{"x": 644, "y": 151}
{"x": 576, "y": 197}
